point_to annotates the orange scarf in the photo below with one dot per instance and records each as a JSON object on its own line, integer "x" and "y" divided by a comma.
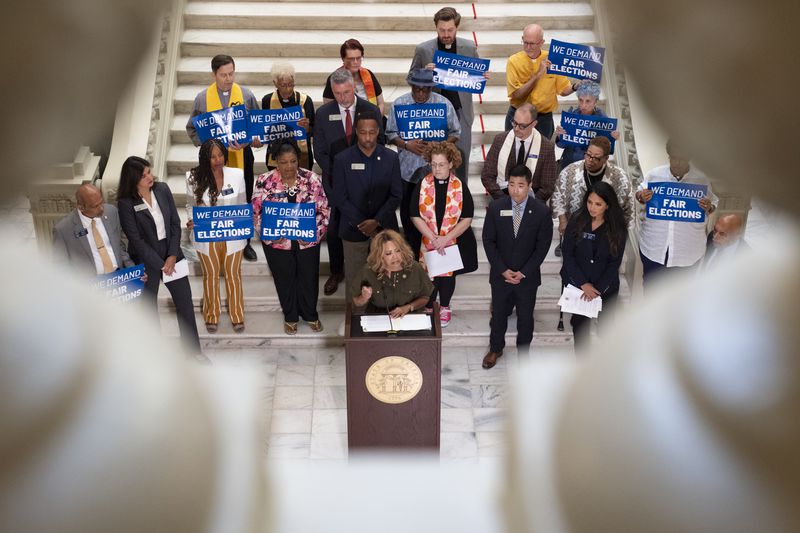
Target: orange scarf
{"x": 427, "y": 211}
{"x": 369, "y": 85}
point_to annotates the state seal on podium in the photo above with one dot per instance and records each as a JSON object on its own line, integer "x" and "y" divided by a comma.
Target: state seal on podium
{"x": 394, "y": 379}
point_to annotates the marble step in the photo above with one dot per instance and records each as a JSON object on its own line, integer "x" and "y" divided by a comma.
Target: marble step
{"x": 265, "y": 330}
{"x": 484, "y": 128}
{"x": 479, "y": 197}
{"x": 388, "y": 17}
{"x": 315, "y": 43}
{"x": 313, "y": 69}
{"x": 434, "y": 2}
{"x": 551, "y": 264}
{"x": 472, "y": 292}
{"x": 183, "y": 157}
{"x": 494, "y": 99}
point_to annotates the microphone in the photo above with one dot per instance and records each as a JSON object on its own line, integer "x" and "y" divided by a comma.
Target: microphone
{"x": 391, "y": 331}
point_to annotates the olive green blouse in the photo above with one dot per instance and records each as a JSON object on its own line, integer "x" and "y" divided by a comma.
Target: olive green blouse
{"x": 400, "y": 288}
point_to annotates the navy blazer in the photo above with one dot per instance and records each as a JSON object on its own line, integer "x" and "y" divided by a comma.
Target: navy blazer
{"x": 140, "y": 227}
{"x": 366, "y": 188}
{"x": 329, "y": 138}
{"x": 523, "y": 253}
{"x": 590, "y": 260}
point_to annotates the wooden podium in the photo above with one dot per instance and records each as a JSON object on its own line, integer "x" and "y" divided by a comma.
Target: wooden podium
{"x": 393, "y": 386}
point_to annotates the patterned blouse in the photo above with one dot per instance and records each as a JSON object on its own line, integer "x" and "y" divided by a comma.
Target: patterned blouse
{"x": 269, "y": 188}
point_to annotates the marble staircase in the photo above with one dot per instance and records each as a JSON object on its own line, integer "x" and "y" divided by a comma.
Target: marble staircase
{"x": 308, "y": 34}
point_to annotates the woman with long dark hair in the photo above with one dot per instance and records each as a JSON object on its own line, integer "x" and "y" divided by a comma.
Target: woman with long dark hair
{"x": 150, "y": 220}
{"x": 294, "y": 263}
{"x": 212, "y": 183}
{"x": 594, "y": 242}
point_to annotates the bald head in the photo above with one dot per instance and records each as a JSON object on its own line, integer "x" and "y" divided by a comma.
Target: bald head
{"x": 90, "y": 200}
{"x": 728, "y": 229}
{"x": 532, "y": 40}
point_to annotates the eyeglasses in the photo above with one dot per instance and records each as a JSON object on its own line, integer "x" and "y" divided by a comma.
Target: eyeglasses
{"x": 353, "y": 59}
{"x": 591, "y": 157}
{"x": 515, "y": 124}
{"x": 532, "y": 43}
{"x": 440, "y": 165}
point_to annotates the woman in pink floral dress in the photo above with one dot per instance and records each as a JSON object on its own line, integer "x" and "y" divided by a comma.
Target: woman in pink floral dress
{"x": 293, "y": 258}
{"x": 442, "y": 209}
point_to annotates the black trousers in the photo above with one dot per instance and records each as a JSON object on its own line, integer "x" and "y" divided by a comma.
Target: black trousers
{"x": 296, "y": 276}
{"x": 652, "y": 270}
{"x": 412, "y": 235}
{"x": 444, "y": 287}
{"x": 505, "y": 297}
{"x": 181, "y": 293}
{"x": 335, "y": 247}
{"x": 249, "y": 177}
{"x": 581, "y": 324}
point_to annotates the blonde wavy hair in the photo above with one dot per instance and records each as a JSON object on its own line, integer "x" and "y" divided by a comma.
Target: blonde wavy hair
{"x": 374, "y": 259}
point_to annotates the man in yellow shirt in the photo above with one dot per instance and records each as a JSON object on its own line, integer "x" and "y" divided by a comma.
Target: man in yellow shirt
{"x": 528, "y": 81}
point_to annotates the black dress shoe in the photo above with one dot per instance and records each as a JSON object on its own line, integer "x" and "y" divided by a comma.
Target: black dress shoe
{"x": 249, "y": 253}
{"x": 490, "y": 359}
{"x": 332, "y": 284}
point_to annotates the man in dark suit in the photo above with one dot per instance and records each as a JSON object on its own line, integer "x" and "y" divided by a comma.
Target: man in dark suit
{"x": 523, "y": 145}
{"x": 517, "y": 234}
{"x": 89, "y": 238}
{"x": 366, "y": 189}
{"x": 447, "y": 20}
{"x": 334, "y": 131}
{"x": 725, "y": 241}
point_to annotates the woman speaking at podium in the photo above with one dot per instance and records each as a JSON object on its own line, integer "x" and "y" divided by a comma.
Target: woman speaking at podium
{"x": 392, "y": 281}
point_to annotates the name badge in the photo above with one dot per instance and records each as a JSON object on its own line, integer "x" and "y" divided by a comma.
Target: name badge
{"x": 357, "y": 166}
{"x": 335, "y": 117}
{"x": 506, "y": 212}
{"x": 82, "y": 233}
{"x": 533, "y": 156}
{"x": 140, "y": 207}
{"x": 227, "y": 190}
{"x": 589, "y": 236}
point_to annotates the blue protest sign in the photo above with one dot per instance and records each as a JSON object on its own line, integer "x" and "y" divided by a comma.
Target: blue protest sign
{"x": 421, "y": 121}
{"x": 222, "y": 223}
{"x": 580, "y": 129}
{"x": 676, "y": 201}
{"x": 229, "y": 124}
{"x": 576, "y": 60}
{"x": 122, "y": 285}
{"x": 271, "y": 125}
{"x": 460, "y": 73}
{"x": 296, "y": 222}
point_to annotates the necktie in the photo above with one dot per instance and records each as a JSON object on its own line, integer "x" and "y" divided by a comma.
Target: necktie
{"x": 517, "y": 218}
{"x": 101, "y": 248}
{"x": 521, "y": 154}
{"x": 348, "y": 125}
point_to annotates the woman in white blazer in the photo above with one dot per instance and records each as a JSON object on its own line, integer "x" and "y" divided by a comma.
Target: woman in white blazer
{"x": 211, "y": 183}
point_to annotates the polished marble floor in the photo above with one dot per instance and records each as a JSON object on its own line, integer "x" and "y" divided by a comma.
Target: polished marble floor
{"x": 305, "y": 404}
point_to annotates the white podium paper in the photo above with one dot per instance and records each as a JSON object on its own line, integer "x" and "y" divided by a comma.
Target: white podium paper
{"x": 571, "y": 302}
{"x": 411, "y": 322}
{"x": 440, "y": 264}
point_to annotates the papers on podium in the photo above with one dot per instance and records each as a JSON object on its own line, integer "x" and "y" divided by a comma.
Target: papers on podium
{"x": 377, "y": 323}
{"x": 571, "y": 302}
{"x": 440, "y": 264}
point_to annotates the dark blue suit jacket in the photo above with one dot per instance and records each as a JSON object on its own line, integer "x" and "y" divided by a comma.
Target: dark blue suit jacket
{"x": 329, "y": 138}
{"x": 366, "y": 188}
{"x": 525, "y": 252}
{"x": 140, "y": 228}
{"x": 589, "y": 260}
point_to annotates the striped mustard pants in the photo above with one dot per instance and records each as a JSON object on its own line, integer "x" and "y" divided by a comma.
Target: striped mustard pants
{"x": 212, "y": 265}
